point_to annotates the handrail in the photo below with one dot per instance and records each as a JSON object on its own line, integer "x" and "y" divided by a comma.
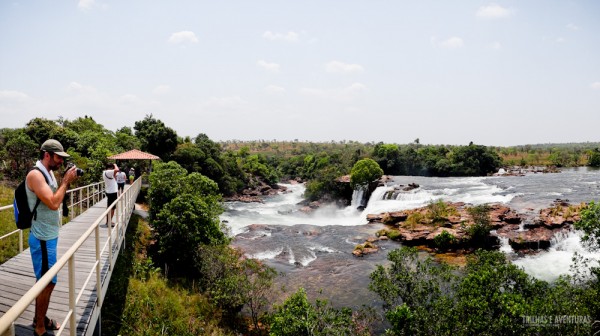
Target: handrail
{"x": 93, "y": 194}
{"x": 123, "y": 209}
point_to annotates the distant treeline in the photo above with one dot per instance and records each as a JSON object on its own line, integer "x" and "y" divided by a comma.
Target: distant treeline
{"x": 237, "y": 165}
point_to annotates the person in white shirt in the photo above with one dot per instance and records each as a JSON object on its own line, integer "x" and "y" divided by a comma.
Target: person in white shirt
{"x": 110, "y": 184}
{"x": 121, "y": 179}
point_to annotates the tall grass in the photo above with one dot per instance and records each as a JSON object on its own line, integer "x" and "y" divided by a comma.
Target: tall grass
{"x": 9, "y": 247}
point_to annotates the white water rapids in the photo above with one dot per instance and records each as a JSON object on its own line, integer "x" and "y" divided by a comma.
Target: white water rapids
{"x": 287, "y": 234}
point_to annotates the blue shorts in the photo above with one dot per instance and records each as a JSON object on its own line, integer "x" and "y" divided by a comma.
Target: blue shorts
{"x": 43, "y": 255}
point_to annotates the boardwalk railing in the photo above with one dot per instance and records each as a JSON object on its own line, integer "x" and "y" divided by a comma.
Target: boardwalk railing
{"x": 81, "y": 198}
{"x": 123, "y": 206}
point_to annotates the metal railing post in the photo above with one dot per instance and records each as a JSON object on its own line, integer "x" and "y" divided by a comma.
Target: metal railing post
{"x": 71, "y": 214}
{"x": 20, "y": 241}
{"x": 10, "y": 331}
{"x": 80, "y": 201}
{"x": 109, "y": 226}
{"x": 72, "y": 325}
{"x": 98, "y": 283}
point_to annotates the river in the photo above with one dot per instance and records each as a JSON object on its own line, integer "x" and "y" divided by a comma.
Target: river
{"x": 314, "y": 250}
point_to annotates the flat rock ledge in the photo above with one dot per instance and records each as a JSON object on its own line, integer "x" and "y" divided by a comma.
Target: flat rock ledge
{"x": 525, "y": 233}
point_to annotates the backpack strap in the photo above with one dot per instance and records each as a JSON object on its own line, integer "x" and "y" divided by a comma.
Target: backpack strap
{"x": 34, "y": 211}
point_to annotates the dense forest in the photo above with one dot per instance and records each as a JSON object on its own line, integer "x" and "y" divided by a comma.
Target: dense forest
{"x": 181, "y": 277}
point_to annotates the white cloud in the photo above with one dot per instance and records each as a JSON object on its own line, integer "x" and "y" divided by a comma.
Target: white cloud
{"x": 274, "y": 89}
{"x": 493, "y": 11}
{"x": 273, "y": 67}
{"x": 560, "y": 40}
{"x": 161, "y": 89}
{"x": 86, "y": 5}
{"x": 287, "y": 37}
{"x": 183, "y": 37}
{"x": 452, "y": 43}
{"x": 572, "y": 26}
{"x": 340, "y": 67}
{"x": 355, "y": 87}
{"x": 495, "y": 45}
{"x": 13, "y": 96}
{"x": 595, "y": 85}
{"x": 80, "y": 88}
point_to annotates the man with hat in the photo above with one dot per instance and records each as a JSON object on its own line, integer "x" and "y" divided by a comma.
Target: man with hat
{"x": 43, "y": 237}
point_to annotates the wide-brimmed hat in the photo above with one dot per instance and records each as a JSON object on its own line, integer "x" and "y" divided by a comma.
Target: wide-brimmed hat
{"x": 53, "y": 146}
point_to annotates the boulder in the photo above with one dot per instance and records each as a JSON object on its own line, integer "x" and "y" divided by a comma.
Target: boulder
{"x": 536, "y": 238}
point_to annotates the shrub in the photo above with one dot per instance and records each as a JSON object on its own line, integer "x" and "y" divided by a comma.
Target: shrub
{"x": 393, "y": 234}
{"x": 438, "y": 212}
{"x": 480, "y": 229}
{"x": 413, "y": 220}
{"x": 233, "y": 281}
{"x": 444, "y": 240}
{"x": 590, "y": 224}
{"x": 298, "y": 317}
{"x": 489, "y": 297}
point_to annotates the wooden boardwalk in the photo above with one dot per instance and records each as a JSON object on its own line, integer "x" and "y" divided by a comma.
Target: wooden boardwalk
{"x": 16, "y": 275}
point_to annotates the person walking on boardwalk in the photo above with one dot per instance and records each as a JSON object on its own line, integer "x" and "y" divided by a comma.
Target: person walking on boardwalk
{"x": 45, "y": 225}
{"x": 110, "y": 186}
{"x": 121, "y": 179}
{"x": 131, "y": 175}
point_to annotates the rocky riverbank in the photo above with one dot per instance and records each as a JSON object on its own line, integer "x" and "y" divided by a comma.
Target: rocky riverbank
{"x": 450, "y": 226}
{"x": 257, "y": 193}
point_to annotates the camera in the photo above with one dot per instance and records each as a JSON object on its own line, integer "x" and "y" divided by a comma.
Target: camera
{"x": 79, "y": 170}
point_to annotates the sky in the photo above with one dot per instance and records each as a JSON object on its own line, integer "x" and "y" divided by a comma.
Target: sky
{"x": 445, "y": 72}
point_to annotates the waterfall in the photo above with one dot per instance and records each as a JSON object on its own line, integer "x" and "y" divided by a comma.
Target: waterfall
{"x": 358, "y": 197}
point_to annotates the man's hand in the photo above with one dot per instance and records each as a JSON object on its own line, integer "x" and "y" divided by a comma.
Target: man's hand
{"x": 70, "y": 176}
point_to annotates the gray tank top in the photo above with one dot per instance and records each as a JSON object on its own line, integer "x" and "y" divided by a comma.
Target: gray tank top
{"x": 46, "y": 224}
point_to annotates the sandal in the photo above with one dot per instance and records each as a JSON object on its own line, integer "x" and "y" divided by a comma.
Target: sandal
{"x": 50, "y": 324}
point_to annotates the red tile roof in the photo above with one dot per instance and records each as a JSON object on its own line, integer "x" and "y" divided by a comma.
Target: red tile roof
{"x": 134, "y": 154}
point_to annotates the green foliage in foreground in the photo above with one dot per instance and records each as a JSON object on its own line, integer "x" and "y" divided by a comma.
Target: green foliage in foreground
{"x": 153, "y": 307}
{"x": 490, "y": 296}
{"x": 298, "y": 317}
{"x": 233, "y": 281}
{"x": 590, "y": 224}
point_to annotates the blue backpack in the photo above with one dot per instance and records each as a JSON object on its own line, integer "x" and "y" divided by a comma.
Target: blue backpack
{"x": 24, "y": 216}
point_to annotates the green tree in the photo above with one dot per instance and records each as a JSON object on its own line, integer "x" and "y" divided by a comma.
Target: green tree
{"x": 590, "y": 224}
{"x": 364, "y": 172}
{"x": 189, "y": 156}
{"x": 22, "y": 152}
{"x": 126, "y": 140}
{"x": 156, "y": 137}
{"x": 594, "y": 158}
{"x": 41, "y": 129}
{"x": 233, "y": 281}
